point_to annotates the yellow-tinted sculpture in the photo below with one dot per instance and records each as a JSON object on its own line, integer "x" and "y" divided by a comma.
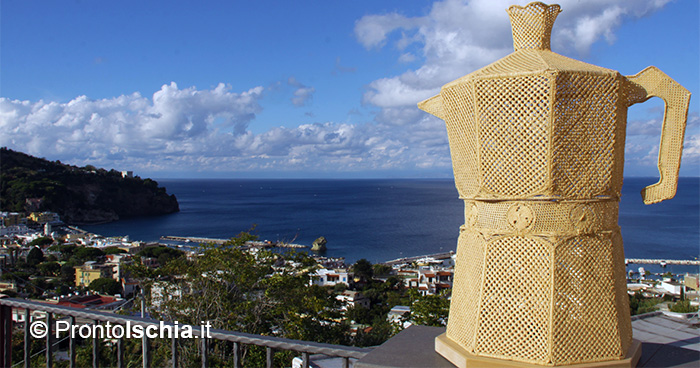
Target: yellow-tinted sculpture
{"x": 537, "y": 143}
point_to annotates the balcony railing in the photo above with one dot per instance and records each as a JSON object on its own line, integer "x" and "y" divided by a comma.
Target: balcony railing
{"x": 272, "y": 344}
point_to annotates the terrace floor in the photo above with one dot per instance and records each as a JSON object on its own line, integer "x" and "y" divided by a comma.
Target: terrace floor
{"x": 666, "y": 342}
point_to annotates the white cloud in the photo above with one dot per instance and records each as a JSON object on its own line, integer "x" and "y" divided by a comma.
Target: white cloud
{"x": 691, "y": 146}
{"x": 691, "y": 150}
{"x": 189, "y": 131}
{"x": 652, "y": 127}
{"x": 85, "y": 129}
{"x": 302, "y": 94}
{"x": 643, "y": 137}
{"x": 407, "y": 57}
{"x": 458, "y": 37}
{"x": 393, "y": 92}
{"x": 372, "y": 30}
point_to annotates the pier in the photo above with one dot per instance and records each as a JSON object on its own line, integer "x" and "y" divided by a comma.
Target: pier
{"x": 196, "y": 240}
{"x": 268, "y": 244}
{"x": 443, "y": 255}
{"x": 662, "y": 261}
{"x": 75, "y": 228}
{"x": 249, "y": 244}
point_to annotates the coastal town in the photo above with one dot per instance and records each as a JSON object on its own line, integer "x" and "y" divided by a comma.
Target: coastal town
{"x": 292, "y": 289}
{"x": 23, "y": 236}
{"x": 39, "y": 237}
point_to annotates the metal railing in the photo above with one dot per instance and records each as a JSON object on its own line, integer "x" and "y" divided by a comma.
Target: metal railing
{"x": 238, "y": 338}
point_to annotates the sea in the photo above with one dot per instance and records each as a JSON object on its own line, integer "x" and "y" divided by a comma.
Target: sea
{"x": 384, "y": 219}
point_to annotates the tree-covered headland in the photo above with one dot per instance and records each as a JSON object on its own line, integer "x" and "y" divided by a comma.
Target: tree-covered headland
{"x": 78, "y": 194}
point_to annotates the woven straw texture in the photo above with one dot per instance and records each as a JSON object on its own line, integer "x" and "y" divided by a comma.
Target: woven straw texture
{"x": 537, "y": 143}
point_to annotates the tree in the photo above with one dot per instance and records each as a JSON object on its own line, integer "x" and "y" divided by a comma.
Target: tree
{"x": 49, "y": 268}
{"x": 339, "y": 287}
{"x": 359, "y": 314}
{"x": 363, "y": 270}
{"x": 66, "y": 250}
{"x": 83, "y": 254}
{"x": 68, "y": 274}
{"x": 35, "y": 256}
{"x": 162, "y": 253}
{"x": 381, "y": 269}
{"x": 114, "y": 250}
{"x": 429, "y": 310}
{"x": 107, "y": 286}
{"x": 683, "y": 306}
{"x": 640, "y": 305}
{"x": 394, "y": 282}
{"x": 36, "y": 287}
{"x": 43, "y": 240}
{"x": 378, "y": 333}
{"x": 240, "y": 291}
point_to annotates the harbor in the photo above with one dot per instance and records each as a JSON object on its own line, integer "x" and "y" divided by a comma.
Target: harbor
{"x": 191, "y": 239}
{"x": 435, "y": 256}
{"x": 250, "y": 244}
{"x": 662, "y": 262}
{"x": 628, "y": 261}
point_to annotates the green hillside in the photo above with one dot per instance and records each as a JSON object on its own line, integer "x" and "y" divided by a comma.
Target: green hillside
{"x": 78, "y": 194}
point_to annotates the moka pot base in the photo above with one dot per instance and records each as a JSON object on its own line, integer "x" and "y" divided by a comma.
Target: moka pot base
{"x": 462, "y": 358}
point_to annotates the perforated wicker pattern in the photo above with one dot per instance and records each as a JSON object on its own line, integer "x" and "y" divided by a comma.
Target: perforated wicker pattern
{"x": 537, "y": 143}
{"x": 462, "y": 135}
{"x": 523, "y": 62}
{"x": 512, "y": 115}
{"x": 532, "y": 25}
{"x": 585, "y": 308}
{"x": 655, "y": 83}
{"x": 515, "y": 301}
{"x": 584, "y": 136}
{"x": 621, "y": 299}
{"x": 467, "y": 287}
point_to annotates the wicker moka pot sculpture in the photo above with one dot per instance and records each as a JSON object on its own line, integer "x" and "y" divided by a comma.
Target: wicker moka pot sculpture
{"x": 537, "y": 143}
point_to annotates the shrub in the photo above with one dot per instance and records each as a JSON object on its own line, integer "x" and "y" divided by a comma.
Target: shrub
{"x": 640, "y": 305}
{"x": 106, "y": 286}
{"x": 40, "y": 241}
{"x": 683, "y": 306}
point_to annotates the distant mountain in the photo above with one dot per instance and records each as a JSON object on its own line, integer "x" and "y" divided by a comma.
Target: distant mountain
{"x": 80, "y": 195}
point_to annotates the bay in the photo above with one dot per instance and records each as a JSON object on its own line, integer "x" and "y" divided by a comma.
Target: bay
{"x": 383, "y": 219}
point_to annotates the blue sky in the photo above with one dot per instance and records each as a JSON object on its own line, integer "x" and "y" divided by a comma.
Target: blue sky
{"x": 297, "y": 89}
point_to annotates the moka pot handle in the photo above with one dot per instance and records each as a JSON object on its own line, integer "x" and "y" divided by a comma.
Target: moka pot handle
{"x": 652, "y": 82}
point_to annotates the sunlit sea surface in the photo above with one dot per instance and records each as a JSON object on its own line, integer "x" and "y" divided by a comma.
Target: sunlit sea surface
{"x": 386, "y": 219}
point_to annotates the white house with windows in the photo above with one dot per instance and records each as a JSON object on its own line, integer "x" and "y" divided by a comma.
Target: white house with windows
{"x": 326, "y": 277}
{"x": 353, "y": 299}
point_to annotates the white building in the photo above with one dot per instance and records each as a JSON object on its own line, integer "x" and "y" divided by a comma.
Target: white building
{"x": 428, "y": 282}
{"x": 163, "y": 291}
{"x": 325, "y": 277}
{"x": 398, "y": 313}
{"x": 353, "y": 299}
{"x": 14, "y": 230}
{"x": 672, "y": 287}
{"x": 130, "y": 286}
